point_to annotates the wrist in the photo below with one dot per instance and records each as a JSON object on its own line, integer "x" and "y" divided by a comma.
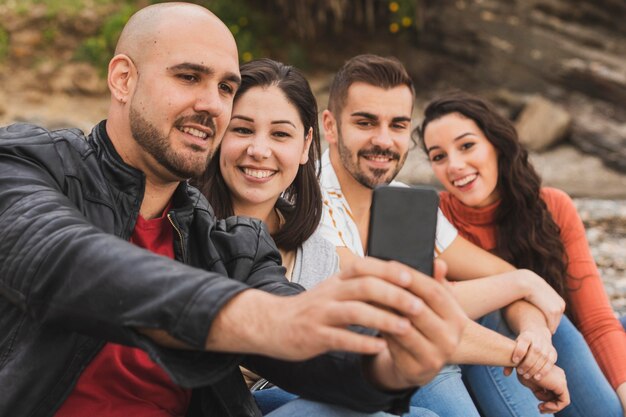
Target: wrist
{"x": 524, "y": 282}
{"x": 227, "y": 333}
{"x": 380, "y": 371}
{"x": 536, "y": 328}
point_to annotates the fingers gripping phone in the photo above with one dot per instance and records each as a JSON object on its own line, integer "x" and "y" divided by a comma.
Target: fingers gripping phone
{"x": 403, "y": 223}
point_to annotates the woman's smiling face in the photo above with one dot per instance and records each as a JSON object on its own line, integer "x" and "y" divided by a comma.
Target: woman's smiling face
{"x": 463, "y": 159}
{"x": 264, "y": 145}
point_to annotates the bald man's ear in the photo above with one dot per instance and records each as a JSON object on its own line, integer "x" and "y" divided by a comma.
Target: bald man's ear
{"x": 329, "y": 123}
{"x": 120, "y": 79}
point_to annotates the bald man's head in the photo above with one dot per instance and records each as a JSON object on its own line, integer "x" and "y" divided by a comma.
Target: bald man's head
{"x": 145, "y": 28}
{"x": 172, "y": 82}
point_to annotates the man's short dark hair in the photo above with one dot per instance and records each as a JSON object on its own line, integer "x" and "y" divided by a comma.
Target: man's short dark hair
{"x": 384, "y": 72}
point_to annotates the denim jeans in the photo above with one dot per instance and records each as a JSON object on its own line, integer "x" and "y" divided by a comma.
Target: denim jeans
{"x": 445, "y": 395}
{"x": 276, "y": 402}
{"x": 500, "y": 396}
{"x": 270, "y": 399}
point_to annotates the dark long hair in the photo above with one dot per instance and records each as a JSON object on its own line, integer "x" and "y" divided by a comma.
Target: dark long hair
{"x": 301, "y": 203}
{"x": 526, "y": 234}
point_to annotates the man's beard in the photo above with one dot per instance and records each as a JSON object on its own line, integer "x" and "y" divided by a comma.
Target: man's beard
{"x": 372, "y": 177}
{"x": 158, "y": 145}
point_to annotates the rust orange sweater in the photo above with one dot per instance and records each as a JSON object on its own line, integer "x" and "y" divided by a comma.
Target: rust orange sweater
{"x": 590, "y": 306}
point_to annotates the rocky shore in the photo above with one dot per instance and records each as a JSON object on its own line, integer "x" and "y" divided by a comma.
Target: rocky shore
{"x": 605, "y": 222}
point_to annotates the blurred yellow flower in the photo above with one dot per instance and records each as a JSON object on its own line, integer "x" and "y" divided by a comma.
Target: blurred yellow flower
{"x": 394, "y": 6}
{"x": 234, "y": 29}
{"x": 246, "y": 56}
{"x": 407, "y": 21}
{"x": 394, "y": 27}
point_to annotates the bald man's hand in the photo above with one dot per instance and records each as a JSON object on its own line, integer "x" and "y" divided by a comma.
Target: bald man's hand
{"x": 420, "y": 320}
{"x": 372, "y": 293}
{"x": 413, "y": 358}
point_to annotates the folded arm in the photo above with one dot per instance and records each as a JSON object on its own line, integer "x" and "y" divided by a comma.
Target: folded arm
{"x": 502, "y": 286}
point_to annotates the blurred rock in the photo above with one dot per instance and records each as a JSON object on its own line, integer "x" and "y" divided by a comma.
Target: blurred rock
{"x": 542, "y": 124}
{"x": 34, "y": 97}
{"x": 417, "y": 169}
{"x": 508, "y": 99}
{"x": 24, "y": 43}
{"x": 14, "y": 22}
{"x": 78, "y": 78}
{"x": 605, "y": 224}
{"x": 596, "y": 79}
{"x": 600, "y": 129}
{"x": 578, "y": 174}
{"x": 46, "y": 69}
{"x": 38, "y": 120}
{"x": 3, "y": 107}
{"x": 559, "y": 50}
{"x": 86, "y": 23}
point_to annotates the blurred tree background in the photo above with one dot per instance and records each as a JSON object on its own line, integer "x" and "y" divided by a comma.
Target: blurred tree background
{"x": 563, "y": 59}
{"x": 279, "y": 28}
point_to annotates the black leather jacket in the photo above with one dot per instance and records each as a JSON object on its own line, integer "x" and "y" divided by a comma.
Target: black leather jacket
{"x": 70, "y": 281}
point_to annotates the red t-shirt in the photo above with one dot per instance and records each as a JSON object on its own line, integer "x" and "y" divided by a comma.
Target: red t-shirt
{"x": 124, "y": 381}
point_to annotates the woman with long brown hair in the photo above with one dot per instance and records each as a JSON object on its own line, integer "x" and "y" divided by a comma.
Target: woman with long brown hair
{"x": 266, "y": 166}
{"x": 494, "y": 198}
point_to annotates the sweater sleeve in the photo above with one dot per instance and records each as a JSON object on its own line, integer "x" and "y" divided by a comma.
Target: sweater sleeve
{"x": 590, "y": 305}
{"x": 315, "y": 261}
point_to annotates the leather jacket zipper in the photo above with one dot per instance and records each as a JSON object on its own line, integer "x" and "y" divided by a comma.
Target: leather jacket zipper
{"x": 180, "y": 235}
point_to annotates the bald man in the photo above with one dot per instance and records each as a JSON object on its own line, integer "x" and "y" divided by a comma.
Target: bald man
{"x": 121, "y": 294}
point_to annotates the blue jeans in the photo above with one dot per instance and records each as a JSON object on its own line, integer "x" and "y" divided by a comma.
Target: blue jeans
{"x": 305, "y": 408}
{"x": 445, "y": 395}
{"x": 500, "y": 396}
{"x": 276, "y": 402}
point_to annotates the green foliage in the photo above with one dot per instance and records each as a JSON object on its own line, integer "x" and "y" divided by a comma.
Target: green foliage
{"x": 296, "y": 55}
{"x": 49, "y": 34}
{"x": 402, "y": 15}
{"x": 248, "y": 24}
{"x": 55, "y": 8}
{"x": 65, "y": 7}
{"x": 99, "y": 49}
{"x": 260, "y": 28}
{"x": 4, "y": 44}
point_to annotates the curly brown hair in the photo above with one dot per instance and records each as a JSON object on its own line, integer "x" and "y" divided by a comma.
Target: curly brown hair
{"x": 526, "y": 234}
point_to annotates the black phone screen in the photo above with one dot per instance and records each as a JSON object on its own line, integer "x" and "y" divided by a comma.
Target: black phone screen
{"x": 403, "y": 223}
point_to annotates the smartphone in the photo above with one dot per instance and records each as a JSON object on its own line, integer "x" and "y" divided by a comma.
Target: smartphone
{"x": 403, "y": 223}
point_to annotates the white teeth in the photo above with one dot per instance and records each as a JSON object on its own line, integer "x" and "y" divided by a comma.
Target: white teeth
{"x": 258, "y": 173}
{"x": 378, "y": 158}
{"x": 194, "y": 132}
{"x": 465, "y": 180}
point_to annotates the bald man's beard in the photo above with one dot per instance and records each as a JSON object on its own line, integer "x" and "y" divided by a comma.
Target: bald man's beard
{"x": 159, "y": 147}
{"x": 368, "y": 178}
